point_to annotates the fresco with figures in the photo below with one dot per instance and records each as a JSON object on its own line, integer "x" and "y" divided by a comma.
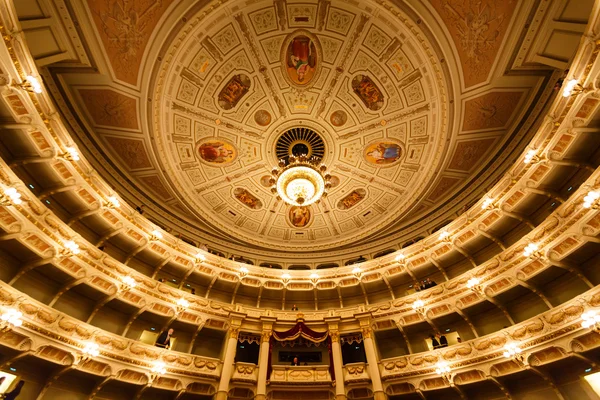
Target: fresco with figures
{"x": 383, "y": 153}
{"x": 217, "y": 151}
{"x": 300, "y": 216}
{"x": 233, "y": 91}
{"x": 301, "y": 59}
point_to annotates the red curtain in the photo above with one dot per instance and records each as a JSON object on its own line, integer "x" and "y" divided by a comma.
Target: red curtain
{"x": 301, "y": 330}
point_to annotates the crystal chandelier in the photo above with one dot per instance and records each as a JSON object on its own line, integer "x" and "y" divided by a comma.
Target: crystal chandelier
{"x": 300, "y": 182}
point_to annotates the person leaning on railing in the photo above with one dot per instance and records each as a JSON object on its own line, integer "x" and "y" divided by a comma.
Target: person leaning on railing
{"x": 164, "y": 340}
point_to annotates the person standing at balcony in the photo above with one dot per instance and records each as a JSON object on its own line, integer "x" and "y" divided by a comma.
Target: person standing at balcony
{"x": 434, "y": 342}
{"x": 295, "y": 362}
{"x": 12, "y": 395}
{"x": 442, "y": 340}
{"x": 294, "y": 308}
{"x": 164, "y": 340}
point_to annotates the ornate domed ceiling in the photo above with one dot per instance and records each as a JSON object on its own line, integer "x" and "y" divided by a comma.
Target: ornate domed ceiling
{"x": 415, "y": 110}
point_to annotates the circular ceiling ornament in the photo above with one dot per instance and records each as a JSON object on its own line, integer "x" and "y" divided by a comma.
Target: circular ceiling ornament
{"x": 300, "y": 141}
{"x": 338, "y": 118}
{"x": 262, "y": 117}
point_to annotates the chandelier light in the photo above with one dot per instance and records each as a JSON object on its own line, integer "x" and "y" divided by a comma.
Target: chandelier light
{"x": 301, "y": 182}
{"x": 591, "y": 200}
{"x": 591, "y": 320}
{"x": 11, "y": 318}
{"x": 11, "y": 195}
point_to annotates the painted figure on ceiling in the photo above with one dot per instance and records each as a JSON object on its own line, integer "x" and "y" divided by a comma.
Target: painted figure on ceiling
{"x": 301, "y": 60}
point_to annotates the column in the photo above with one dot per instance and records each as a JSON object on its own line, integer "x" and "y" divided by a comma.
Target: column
{"x": 338, "y": 362}
{"x": 263, "y": 361}
{"x": 228, "y": 362}
{"x": 373, "y": 364}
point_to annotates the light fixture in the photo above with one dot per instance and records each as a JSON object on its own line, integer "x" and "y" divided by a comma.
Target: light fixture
{"x": 444, "y": 236}
{"x": 182, "y": 305}
{"x": 128, "y": 283}
{"x": 301, "y": 181}
{"x": 474, "y": 284}
{"x": 572, "y": 87}
{"x": 532, "y": 251}
{"x": 512, "y": 350}
{"x": 200, "y": 258}
{"x": 531, "y": 157}
{"x": 419, "y": 306}
{"x": 70, "y": 249}
{"x": 158, "y": 369}
{"x": 488, "y": 204}
{"x": 156, "y": 235}
{"x": 113, "y": 202}
{"x": 31, "y": 84}
{"x": 285, "y": 277}
{"x": 443, "y": 369}
{"x": 591, "y": 200}
{"x": 10, "y": 319}
{"x": 400, "y": 258}
{"x": 314, "y": 277}
{"x": 90, "y": 350}
{"x": 11, "y": 195}
{"x": 72, "y": 154}
{"x": 243, "y": 271}
{"x": 591, "y": 320}
{"x": 357, "y": 271}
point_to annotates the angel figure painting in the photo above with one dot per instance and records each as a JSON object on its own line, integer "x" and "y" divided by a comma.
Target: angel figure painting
{"x": 368, "y": 92}
{"x": 217, "y": 152}
{"x": 383, "y": 153}
{"x": 300, "y": 216}
{"x": 301, "y": 60}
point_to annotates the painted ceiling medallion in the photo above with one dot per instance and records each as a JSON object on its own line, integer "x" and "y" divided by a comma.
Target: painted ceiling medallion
{"x": 233, "y": 91}
{"x": 301, "y": 58}
{"x": 300, "y": 217}
{"x": 338, "y": 118}
{"x": 383, "y": 152}
{"x": 368, "y": 92}
{"x": 247, "y": 198}
{"x": 217, "y": 151}
{"x": 351, "y": 199}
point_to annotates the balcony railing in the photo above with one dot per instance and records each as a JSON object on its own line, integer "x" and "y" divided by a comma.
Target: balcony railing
{"x": 301, "y": 374}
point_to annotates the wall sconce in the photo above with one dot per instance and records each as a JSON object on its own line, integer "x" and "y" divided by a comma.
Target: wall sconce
{"x": 113, "y": 202}
{"x": 444, "y": 236}
{"x": 357, "y": 271}
{"x": 475, "y": 285}
{"x": 591, "y": 200}
{"x": 488, "y": 204}
{"x": 72, "y": 154}
{"x": 572, "y": 87}
{"x": 591, "y": 320}
{"x": 512, "y": 350}
{"x": 200, "y": 258}
{"x": 70, "y": 249}
{"x": 31, "y": 84}
{"x": 90, "y": 350}
{"x": 158, "y": 369}
{"x": 243, "y": 271}
{"x": 419, "y": 306}
{"x": 156, "y": 235}
{"x": 532, "y": 251}
{"x": 314, "y": 278}
{"x": 182, "y": 305}
{"x": 128, "y": 283}
{"x": 531, "y": 157}
{"x": 400, "y": 258}
{"x": 286, "y": 278}
{"x": 11, "y": 318}
{"x": 443, "y": 369}
{"x": 10, "y": 196}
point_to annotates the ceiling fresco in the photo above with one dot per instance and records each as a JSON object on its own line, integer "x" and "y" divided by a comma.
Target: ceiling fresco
{"x": 416, "y": 107}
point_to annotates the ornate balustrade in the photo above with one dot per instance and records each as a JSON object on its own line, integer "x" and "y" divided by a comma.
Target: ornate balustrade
{"x": 245, "y": 372}
{"x": 356, "y": 373}
{"x": 300, "y": 375}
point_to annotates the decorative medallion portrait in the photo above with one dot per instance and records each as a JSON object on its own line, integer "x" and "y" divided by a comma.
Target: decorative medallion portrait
{"x": 352, "y": 199}
{"x": 300, "y": 216}
{"x": 262, "y": 117}
{"x": 247, "y": 198}
{"x": 233, "y": 91}
{"x": 217, "y": 151}
{"x": 368, "y": 92}
{"x": 338, "y": 118}
{"x": 383, "y": 153}
{"x": 265, "y": 180}
{"x": 301, "y": 58}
